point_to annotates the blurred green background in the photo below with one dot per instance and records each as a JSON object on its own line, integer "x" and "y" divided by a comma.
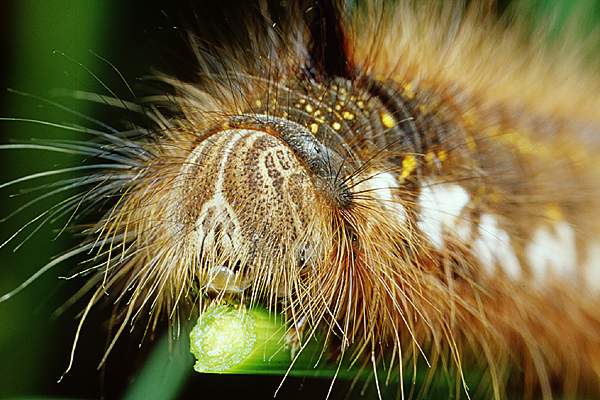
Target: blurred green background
{"x": 135, "y": 36}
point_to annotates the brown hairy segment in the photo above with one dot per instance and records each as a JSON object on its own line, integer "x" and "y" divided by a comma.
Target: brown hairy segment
{"x": 418, "y": 181}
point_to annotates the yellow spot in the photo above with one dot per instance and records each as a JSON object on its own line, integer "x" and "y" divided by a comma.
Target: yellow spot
{"x": 469, "y": 119}
{"x": 471, "y": 143}
{"x": 554, "y": 212}
{"x": 258, "y": 103}
{"x": 308, "y": 108}
{"x": 422, "y": 109}
{"x": 314, "y": 128}
{"x": 409, "y": 163}
{"x": 387, "y": 120}
{"x": 302, "y": 101}
{"x": 442, "y": 155}
{"x": 493, "y": 131}
{"x": 408, "y": 90}
{"x": 225, "y": 125}
{"x": 429, "y": 158}
{"x": 338, "y": 107}
{"x": 348, "y": 115}
{"x": 317, "y": 113}
{"x": 478, "y": 196}
{"x": 360, "y": 104}
{"x": 336, "y": 126}
{"x": 494, "y": 197}
{"x": 522, "y": 142}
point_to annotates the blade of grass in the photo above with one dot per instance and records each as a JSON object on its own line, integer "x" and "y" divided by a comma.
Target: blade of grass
{"x": 164, "y": 373}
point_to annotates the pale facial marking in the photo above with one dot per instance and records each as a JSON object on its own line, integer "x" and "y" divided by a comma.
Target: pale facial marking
{"x": 552, "y": 252}
{"x": 493, "y": 248}
{"x": 217, "y": 206}
{"x": 592, "y": 267}
{"x": 441, "y": 206}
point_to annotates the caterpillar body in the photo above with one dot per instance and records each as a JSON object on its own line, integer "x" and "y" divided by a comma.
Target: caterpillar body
{"x": 425, "y": 187}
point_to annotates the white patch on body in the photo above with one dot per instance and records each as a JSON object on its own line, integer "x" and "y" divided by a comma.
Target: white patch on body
{"x": 592, "y": 267}
{"x": 552, "y": 252}
{"x": 441, "y": 205}
{"x": 463, "y": 230}
{"x": 492, "y": 247}
{"x": 380, "y": 185}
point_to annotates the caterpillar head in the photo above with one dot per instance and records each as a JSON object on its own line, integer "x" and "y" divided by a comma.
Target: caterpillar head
{"x": 247, "y": 206}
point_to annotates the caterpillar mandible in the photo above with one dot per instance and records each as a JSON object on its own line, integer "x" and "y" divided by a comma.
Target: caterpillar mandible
{"x": 419, "y": 180}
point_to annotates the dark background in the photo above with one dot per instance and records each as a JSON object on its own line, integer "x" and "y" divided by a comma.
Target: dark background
{"x": 136, "y": 36}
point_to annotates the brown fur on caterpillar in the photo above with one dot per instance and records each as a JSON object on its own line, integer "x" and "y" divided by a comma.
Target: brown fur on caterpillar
{"x": 418, "y": 181}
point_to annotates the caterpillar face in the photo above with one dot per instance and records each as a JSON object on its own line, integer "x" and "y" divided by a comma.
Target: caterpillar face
{"x": 253, "y": 207}
{"x": 385, "y": 183}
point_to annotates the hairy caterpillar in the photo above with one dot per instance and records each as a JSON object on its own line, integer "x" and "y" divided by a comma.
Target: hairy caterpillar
{"x": 384, "y": 180}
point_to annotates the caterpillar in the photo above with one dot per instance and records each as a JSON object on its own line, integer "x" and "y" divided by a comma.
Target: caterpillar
{"x": 417, "y": 180}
